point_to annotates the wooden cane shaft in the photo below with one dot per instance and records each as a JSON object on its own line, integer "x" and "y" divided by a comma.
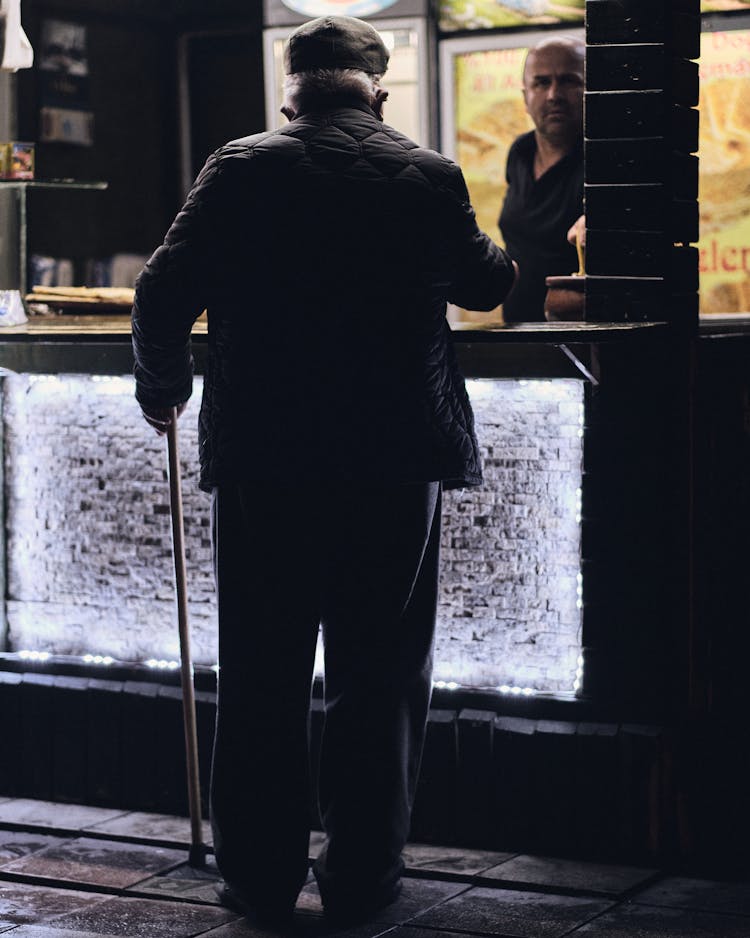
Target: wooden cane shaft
{"x": 186, "y": 665}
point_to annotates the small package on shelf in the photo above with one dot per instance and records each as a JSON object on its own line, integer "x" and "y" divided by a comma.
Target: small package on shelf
{"x": 50, "y": 271}
{"x": 12, "y": 312}
{"x": 16, "y": 160}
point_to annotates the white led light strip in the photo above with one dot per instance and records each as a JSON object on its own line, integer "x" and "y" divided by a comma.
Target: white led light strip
{"x": 162, "y": 664}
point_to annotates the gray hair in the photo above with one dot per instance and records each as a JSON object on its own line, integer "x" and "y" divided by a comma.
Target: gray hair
{"x": 301, "y": 88}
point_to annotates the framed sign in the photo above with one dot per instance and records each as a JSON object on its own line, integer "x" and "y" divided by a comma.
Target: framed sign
{"x": 294, "y": 12}
{"x": 65, "y": 115}
{"x": 454, "y": 15}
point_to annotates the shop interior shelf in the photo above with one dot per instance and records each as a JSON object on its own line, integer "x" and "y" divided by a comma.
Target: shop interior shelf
{"x": 21, "y": 187}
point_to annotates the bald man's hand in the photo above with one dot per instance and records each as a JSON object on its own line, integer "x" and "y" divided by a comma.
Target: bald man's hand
{"x": 577, "y": 231}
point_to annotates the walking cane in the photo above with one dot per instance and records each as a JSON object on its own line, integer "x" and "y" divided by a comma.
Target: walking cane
{"x": 198, "y": 850}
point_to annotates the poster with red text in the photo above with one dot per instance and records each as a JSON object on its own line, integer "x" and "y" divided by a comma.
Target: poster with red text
{"x": 725, "y": 172}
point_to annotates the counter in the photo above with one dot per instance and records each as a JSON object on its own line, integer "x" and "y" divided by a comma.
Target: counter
{"x": 92, "y": 344}
{"x": 86, "y": 522}
{"x": 587, "y": 449}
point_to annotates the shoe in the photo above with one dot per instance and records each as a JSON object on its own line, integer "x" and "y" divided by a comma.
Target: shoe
{"x": 354, "y": 911}
{"x": 267, "y": 915}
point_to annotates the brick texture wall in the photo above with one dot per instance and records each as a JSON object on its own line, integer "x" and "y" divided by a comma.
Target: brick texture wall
{"x": 89, "y": 541}
{"x": 511, "y": 549}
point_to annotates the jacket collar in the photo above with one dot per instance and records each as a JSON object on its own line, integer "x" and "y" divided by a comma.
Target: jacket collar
{"x": 335, "y": 102}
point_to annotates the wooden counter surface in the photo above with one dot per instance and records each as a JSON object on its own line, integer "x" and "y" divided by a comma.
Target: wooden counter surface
{"x": 101, "y": 344}
{"x": 91, "y": 327}
{"x": 88, "y": 327}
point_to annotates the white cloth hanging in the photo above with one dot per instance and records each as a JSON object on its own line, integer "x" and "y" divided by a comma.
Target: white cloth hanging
{"x": 15, "y": 48}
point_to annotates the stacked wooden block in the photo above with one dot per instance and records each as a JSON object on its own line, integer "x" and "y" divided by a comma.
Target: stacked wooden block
{"x": 641, "y": 183}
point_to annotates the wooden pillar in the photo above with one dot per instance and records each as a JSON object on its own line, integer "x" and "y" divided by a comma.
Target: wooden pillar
{"x": 641, "y": 188}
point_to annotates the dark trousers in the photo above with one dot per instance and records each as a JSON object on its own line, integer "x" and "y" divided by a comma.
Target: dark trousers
{"x": 363, "y": 562}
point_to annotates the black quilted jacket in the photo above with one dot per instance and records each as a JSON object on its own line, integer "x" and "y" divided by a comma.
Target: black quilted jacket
{"x": 324, "y": 253}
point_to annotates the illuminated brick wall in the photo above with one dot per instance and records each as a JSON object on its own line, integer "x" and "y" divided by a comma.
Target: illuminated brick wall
{"x": 89, "y": 543}
{"x": 509, "y": 608}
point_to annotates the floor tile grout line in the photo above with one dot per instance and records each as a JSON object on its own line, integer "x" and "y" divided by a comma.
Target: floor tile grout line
{"x": 444, "y": 876}
{"x": 70, "y": 833}
{"x": 415, "y": 870}
{"x": 122, "y": 892}
{"x": 597, "y": 915}
{"x": 106, "y": 891}
{"x": 163, "y": 872}
{"x": 444, "y": 901}
{"x": 453, "y": 929}
{"x": 51, "y": 882}
{"x": 629, "y": 894}
{"x": 552, "y": 889}
{"x": 692, "y": 908}
{"x": 110, "y": 818}
{"x": 184, "y": 900}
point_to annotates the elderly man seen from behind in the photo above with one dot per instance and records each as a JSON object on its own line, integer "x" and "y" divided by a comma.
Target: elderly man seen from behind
{"x": 333, "y": 415}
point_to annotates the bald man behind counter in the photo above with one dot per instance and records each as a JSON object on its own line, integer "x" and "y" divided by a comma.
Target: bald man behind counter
{"x": 543, "y": 205}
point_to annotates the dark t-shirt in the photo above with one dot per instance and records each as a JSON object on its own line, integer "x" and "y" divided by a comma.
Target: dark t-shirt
{"x": 534, "y": 223}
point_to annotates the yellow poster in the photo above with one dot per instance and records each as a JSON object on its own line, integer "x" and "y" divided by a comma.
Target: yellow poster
{"x": 725, "y": 172}
{"x": 721, "y": 6}
{"x": 489, "y": 115}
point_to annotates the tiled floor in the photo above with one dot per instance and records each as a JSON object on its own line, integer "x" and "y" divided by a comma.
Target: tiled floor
{"x": 69, "y": 871}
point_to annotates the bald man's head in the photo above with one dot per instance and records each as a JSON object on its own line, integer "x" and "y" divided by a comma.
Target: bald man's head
{"x": 553, "y": 84}
{"x": 569, "y": 45}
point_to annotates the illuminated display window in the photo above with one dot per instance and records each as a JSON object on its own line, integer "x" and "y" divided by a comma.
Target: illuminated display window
{"x": 89, "y": 544}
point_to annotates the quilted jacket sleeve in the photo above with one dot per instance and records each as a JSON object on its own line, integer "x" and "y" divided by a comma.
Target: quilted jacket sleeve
{"x": 171, "y": 292}
{"x": 483, "y": 272}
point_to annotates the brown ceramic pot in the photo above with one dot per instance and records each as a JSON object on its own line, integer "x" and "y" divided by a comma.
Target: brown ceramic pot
{"x": 565, "y": 299}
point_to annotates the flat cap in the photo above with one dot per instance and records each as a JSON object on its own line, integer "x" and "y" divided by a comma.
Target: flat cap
{"x": 335, "y": 42}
